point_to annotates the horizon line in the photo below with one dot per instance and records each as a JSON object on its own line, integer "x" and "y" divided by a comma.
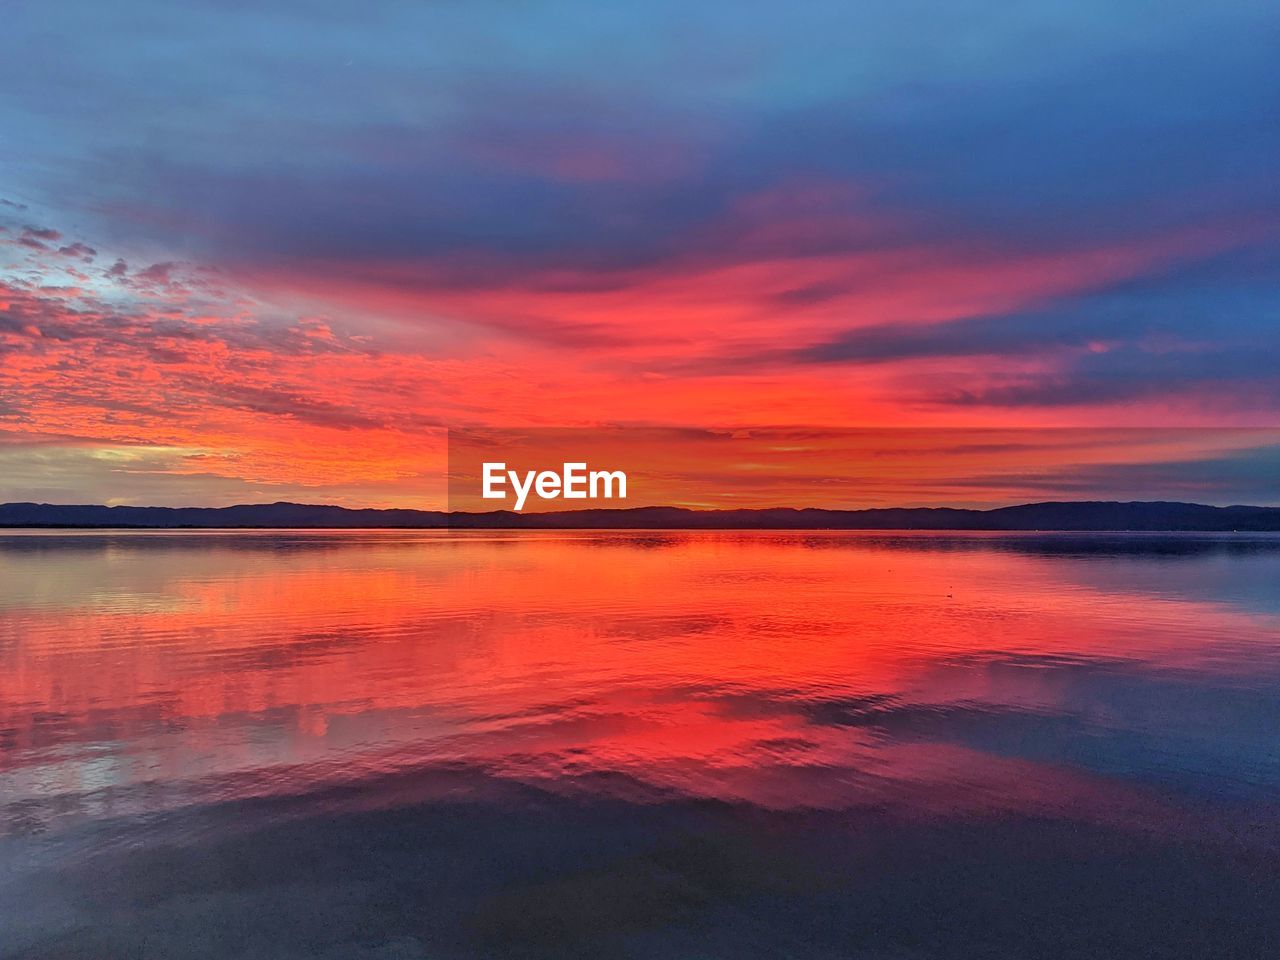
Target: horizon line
{"x": 1051, "y": 515}
{"x": 648, "y": 506}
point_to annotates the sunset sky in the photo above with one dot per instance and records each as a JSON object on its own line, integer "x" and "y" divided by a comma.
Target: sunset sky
{"x": 252, "y": 255}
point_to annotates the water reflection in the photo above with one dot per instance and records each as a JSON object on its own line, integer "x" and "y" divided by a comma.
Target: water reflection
{"x": 635, "y": 744}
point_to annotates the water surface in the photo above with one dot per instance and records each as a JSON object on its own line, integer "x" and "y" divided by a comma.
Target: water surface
{"x": 456, "y": 744}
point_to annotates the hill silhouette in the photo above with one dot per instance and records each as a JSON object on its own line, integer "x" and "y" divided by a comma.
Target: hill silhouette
{"x": 1053, "y": 515}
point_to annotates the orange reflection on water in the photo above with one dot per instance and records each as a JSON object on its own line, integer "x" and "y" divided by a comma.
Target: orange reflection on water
{"x": 778, "y": 668}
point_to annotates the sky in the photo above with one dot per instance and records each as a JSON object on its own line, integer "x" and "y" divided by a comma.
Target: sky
{"x": 254, "y": 252}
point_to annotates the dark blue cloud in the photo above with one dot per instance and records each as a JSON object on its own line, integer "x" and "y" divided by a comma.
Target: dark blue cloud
{"x": 306, "y": 130}
{"x": 1245, "y": 475}
{"x": 1199, "y": 326}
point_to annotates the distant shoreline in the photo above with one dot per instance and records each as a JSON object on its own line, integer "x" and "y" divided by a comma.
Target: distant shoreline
{"x": 1051, "y": 516}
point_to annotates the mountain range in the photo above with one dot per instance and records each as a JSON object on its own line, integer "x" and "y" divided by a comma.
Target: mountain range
{"x": 1055, "y": 515}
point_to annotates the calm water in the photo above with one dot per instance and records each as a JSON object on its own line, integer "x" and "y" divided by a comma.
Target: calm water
{"x": 451, "y": 744}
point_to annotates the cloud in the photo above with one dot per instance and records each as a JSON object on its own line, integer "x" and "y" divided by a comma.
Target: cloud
{"x": 1225, "y": 476}
{"x": 1201, "y": 330}
{"x": 1210, "y": 379}
{"x": 602, "y": 159}
{"x": 156, "y": 273}
{"x": 80, "y": 251}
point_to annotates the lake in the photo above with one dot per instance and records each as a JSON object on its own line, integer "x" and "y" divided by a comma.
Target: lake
{"x": 440, "y": 744}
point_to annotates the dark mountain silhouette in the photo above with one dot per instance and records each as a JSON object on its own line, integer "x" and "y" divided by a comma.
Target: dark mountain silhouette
{"x": 1070, "y": 515}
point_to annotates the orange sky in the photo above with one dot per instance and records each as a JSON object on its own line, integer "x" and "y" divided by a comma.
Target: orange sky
{"x": 180, "y": 385}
